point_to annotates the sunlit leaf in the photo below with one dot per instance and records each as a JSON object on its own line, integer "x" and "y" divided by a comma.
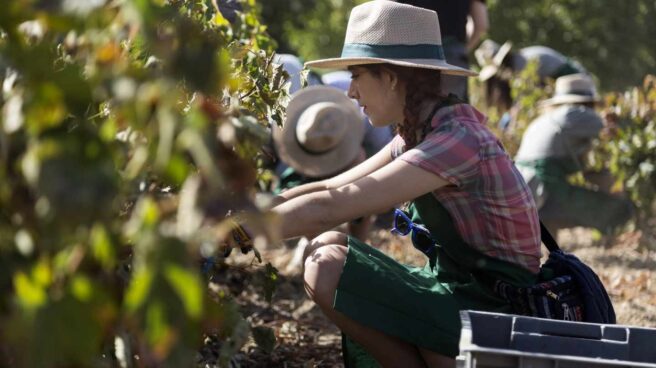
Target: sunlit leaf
{"x": 177, "y": 169}
{"x": 108, "y": 53}
{"x": 29, "y": 294}
{"x": 81, "y": 288}
{"x": 189, "y": 288}
{"x": 42, "y": 273}
{"x": 219, "y": 20}
{"x": 102, "y": 247}
{"x": 158, "y": 330}
{"x": 47, "y": 110}
{"x": 139, "y": 288}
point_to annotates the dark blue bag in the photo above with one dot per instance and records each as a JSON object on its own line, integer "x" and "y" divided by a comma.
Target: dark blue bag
{"x": 574, "y": 292}
{"x": 597, "y": 306}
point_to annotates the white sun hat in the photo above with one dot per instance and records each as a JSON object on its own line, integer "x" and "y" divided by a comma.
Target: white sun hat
{"x": 573, "y": 88}
{"x": 490, "y": 65}
{"x": 322, "y": 133}
{"x": 383, "y": 31}
{"x": 485, "y": 52}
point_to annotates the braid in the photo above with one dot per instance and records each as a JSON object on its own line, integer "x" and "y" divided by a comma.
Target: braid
{"x": 422, "y": 85}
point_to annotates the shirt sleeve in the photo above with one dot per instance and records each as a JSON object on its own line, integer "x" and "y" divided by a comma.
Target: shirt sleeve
{"x": 451, "y": 152}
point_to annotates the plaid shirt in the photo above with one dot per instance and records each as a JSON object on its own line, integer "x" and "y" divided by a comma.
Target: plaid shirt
{"x": 488, "y": 200}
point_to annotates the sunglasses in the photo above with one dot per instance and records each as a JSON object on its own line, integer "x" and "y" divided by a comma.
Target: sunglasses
{"x": 421, "y": 238}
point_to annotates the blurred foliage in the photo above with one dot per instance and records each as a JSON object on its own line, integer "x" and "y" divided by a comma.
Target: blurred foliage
{"x": 128, "y": 130}
{"x": 614, "y": 41}
{"x": 628, "y": 146}
{"x": 527, "y": 91}
{"x": 308, "y": 28}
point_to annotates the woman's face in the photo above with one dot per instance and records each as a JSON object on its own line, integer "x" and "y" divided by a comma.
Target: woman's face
{"x": 382, "y": 96}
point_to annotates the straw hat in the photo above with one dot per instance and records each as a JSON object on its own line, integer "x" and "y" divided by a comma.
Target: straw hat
{"x": 490, "y": 57}
{"x": 382, "y": 31}
{"x": 485, "y": 52}
{"x": 322, "y": 133}
{"x": 573, "y": 88}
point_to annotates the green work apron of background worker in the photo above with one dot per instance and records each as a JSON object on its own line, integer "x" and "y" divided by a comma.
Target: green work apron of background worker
{"x": 567, "y": 205}
{"x": 421, "y": 305}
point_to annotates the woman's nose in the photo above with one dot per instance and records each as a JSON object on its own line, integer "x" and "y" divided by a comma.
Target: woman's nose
{"x": 352, "y": 91}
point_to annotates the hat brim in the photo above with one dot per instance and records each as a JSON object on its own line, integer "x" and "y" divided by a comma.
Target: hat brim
{"x": 325, "y": 164}
{"x": 565, "y": 99}
{"x": 344, "y": 63}
{"x": 487, "y": 72}
{"x": 504, "y": 50}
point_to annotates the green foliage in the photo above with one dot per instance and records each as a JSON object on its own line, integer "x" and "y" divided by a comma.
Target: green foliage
{"x": 614, "y": 41}
{"x": 527, "y": 91}
{"x": 629, "y": 146}
{"x": 128, "y": 129}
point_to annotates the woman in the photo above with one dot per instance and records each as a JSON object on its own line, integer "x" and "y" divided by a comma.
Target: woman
{"x": 462, "y": 190}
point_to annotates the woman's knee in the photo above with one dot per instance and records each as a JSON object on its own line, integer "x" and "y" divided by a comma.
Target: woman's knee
{"x": 323, "y": 268}
{"x": 329, "y": 237}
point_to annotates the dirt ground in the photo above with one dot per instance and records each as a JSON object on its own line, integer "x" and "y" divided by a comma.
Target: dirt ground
{"x": 306, "y": 339}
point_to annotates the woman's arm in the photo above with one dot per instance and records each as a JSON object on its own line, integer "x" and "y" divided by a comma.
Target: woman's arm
{"x": 478, "y": 25}
{"x": 395, "y": 183}
{"x": 368, "y": 166}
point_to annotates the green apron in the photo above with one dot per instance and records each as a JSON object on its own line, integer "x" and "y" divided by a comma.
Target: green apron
{"x": 566, "y": 69}
{"x": 421, "y": 305}
{"x": 567, "y": 205}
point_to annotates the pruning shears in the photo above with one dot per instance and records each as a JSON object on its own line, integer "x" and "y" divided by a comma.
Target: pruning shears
{"x": 241, "y": 238}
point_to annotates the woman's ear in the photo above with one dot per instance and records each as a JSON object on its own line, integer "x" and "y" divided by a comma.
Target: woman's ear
{"x": 393, "y": 79}
{"x": 389, "y": 76}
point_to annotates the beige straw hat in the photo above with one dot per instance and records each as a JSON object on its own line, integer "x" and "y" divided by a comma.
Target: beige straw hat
{"x": 322, "y": 133}
{"x": 490, "y": 64}
{"x": 382, "y": 31}
{"x": 573, "y": 88}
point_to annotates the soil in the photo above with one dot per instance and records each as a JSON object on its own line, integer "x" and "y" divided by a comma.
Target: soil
{"x": 305, "y": 338}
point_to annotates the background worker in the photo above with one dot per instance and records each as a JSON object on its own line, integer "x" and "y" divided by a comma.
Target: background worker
{"x": 554, "y": 147}
{"x": 499, "y": 64}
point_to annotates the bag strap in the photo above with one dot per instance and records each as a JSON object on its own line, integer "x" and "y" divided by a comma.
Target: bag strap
{"x": 548, "y": 239}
